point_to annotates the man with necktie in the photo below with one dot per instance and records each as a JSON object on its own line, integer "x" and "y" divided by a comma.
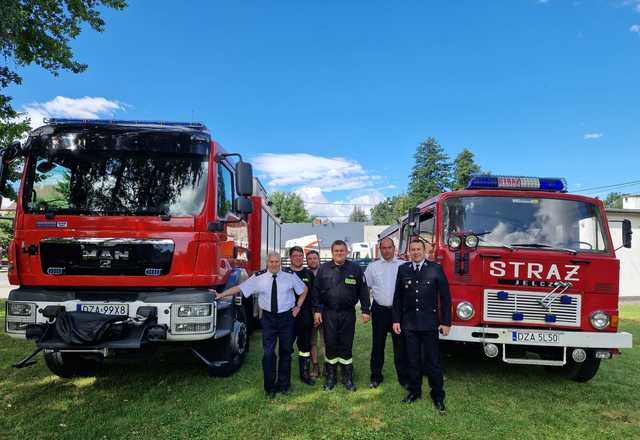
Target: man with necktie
{"x": 276, "y": 291}
{"x": 421, "y": 309}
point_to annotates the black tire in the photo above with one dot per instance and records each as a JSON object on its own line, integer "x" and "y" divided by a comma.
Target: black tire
{"x": 231, "y": 350}
{"x": 579, "y": 372}
{"x": 68, "y": 365}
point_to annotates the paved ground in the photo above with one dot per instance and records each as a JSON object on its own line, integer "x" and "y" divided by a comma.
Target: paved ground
{"x": 5, "y": 287}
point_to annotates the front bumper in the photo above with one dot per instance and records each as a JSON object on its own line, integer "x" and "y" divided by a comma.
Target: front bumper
{"x": 165, "y": 305}
{"x": 535, "y": 337}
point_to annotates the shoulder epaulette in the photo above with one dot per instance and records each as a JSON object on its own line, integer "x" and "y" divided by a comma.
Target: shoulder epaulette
{"x": 287, "y": 270}
{"x": 260, "y": 272}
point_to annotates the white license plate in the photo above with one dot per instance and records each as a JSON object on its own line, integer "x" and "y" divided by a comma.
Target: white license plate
{"x": 524, "y": 336}
{"x": 105, "y": 309}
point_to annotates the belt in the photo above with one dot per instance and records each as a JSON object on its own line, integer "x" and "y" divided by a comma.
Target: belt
{"x": 277, "y": 314}
{"x": 380, "y": 305}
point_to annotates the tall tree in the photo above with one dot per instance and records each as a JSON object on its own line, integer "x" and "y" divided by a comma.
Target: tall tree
{"x": 389, "y": 210}
{"x": 613, "y": 200}
{"x": 431, "y": 172}
{"x": 463, "y": 167}
{"x": 358, "y": 215}
{"x": 289, "y": 207}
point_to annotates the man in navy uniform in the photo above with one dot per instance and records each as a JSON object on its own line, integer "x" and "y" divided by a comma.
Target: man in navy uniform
{"x": 421, "y": 309}
{"x": 338, "y": 287}
{"x": 304, "y": 320}
{"x": 277, "y": 292}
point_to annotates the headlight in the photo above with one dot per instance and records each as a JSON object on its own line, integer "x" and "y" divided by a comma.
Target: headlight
{"x": 599, "y": 320}
{"x": 465, "y": 310}
{"x": 194, "y": 310}
{"x": 455, "y": 242}
{"x": 471, "y": 241}
{"x": 20, "y": 309}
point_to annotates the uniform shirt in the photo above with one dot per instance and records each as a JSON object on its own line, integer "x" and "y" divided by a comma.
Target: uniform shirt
{"x": 307, "y": 277}
{"x": 422, "y": 300}
{"x": 340, "y": 287}
{"x": 289, "y": 285}
{"x": 381, "y": 278}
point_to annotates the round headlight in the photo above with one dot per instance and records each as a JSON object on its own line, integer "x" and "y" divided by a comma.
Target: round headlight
{"x": 464, "y": 310}
{"x": 471, "y": 241}
{"x": 455, "y": 242}
{"x": 599, "y": 320}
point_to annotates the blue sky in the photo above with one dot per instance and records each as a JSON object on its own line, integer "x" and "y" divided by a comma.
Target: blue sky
{"x": 332, "y": 99}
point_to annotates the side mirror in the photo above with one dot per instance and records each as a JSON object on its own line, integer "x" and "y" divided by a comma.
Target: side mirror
{"x": 242, "y": 205}
{"x": 6, "y": 156}
{"x": 627, "y": 233}
{"x": 244, "y": 179}
{"x": 413, "y": 220}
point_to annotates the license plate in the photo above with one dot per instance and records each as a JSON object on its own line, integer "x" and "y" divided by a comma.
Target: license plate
{"x": 105, "y": 309}
{"x": 535, "y": 337}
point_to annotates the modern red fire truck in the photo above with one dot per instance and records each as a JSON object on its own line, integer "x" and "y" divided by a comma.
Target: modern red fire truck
{"x": 532, "y": 269}
{"x": 123, "y": 232}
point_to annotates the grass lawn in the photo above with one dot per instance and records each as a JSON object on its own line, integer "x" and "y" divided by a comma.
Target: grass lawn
{"x": 174, "y": 398}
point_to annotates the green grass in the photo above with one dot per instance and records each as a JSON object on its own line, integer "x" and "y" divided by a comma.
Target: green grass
{"x": 172, "y": 397}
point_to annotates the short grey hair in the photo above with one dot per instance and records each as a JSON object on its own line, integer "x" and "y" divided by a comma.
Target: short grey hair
{"x": 274, "y": 254}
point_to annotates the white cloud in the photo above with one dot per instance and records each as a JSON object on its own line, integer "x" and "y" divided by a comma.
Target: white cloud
{"x": 301, "y": 169}
{"x": 63, "y": 107}
{"x": 589, "y": 136}
{"x": 339, "y": 210}
{"x": 635, "y": 28}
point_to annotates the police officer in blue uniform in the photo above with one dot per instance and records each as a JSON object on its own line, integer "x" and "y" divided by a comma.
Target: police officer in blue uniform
{"x": 304, "y": 320}
{"x": 421, "y": 309}
{"x": 280, "y": 296}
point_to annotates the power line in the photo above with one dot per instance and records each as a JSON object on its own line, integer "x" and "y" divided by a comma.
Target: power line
{"x": 611, "y": 186}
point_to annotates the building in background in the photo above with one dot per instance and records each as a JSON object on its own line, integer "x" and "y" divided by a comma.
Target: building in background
{"x": 361, "y": 237}
{"x": 629, "y": 258}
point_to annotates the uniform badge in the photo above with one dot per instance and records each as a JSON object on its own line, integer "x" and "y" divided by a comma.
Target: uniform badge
{"x": 350, "y": 281}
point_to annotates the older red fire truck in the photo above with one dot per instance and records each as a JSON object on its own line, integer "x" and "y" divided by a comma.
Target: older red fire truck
{"x": 123, "y": 232}
{"x": 532, "y": 269}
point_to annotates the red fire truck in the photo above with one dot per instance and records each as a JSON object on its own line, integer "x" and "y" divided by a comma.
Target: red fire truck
{"x": 532, "y": 269}
{"x": 123, "y": 232}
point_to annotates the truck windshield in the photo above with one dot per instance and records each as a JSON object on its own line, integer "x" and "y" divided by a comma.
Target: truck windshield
{"x": 121, "y": 181}
{"x": 526, "y": 222}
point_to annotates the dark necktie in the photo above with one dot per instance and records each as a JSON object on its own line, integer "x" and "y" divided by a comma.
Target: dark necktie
{"x": 416, "y": 268}
{"x": 274, "y": 295}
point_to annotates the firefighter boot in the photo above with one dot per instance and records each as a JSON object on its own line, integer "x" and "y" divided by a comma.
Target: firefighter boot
{"x": 305, "y": 370}
{"x": 347, "y": 377}
{"x": 330, "y": 377}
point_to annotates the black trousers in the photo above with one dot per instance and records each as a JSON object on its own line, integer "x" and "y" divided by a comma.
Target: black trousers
{"x": 382, "y": 324}
{"x": 339, "y": 330}
{"x": 431, "y": 359}
{"x": 277, "y": 328}
{"x": 304, "y": 328}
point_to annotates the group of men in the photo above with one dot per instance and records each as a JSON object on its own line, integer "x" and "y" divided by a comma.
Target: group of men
{"x": 410, "y": 300}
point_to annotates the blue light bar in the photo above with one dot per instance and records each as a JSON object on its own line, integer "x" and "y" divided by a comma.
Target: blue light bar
{"x": 196, "y": 125}
{"x": 552, "y": 184}
{"x": 517, "y": 316}
{"x": 565, "y": 299}
{"x": 502, "y": 295}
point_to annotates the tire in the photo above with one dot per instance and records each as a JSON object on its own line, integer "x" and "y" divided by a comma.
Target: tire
{"x": 231, "y": 350}
{"x": 579, "y": 372}
{"x": 68, "y": 365}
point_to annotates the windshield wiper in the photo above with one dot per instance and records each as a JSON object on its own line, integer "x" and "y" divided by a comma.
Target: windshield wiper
{"x": 543, "y": 246}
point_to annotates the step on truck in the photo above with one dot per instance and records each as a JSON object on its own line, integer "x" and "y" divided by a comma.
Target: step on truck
{"x": 123, "y": 232}
{"x": 533, "y": 273}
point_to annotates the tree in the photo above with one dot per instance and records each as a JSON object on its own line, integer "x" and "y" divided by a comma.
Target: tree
{"x": 289, "y": 207}
{"x": 431, "y": 173}
{"x": 463, "y": 167}
{"x": 358, "y": 215}
{"x": 389, "y": 210}
{"x": 613, "y": 200}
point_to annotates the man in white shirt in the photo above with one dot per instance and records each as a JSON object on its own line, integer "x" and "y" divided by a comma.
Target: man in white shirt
{"x": 276, "y": 291}
{"x": 381, "y": 279}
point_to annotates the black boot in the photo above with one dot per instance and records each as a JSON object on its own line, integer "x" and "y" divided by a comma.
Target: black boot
{"x": 305, "y": 370}
{"x": 347, "y": 377}
{"x": 330, "y": 377}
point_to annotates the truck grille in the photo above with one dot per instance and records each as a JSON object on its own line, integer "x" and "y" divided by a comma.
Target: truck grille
{"x": 525, "y": 308}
